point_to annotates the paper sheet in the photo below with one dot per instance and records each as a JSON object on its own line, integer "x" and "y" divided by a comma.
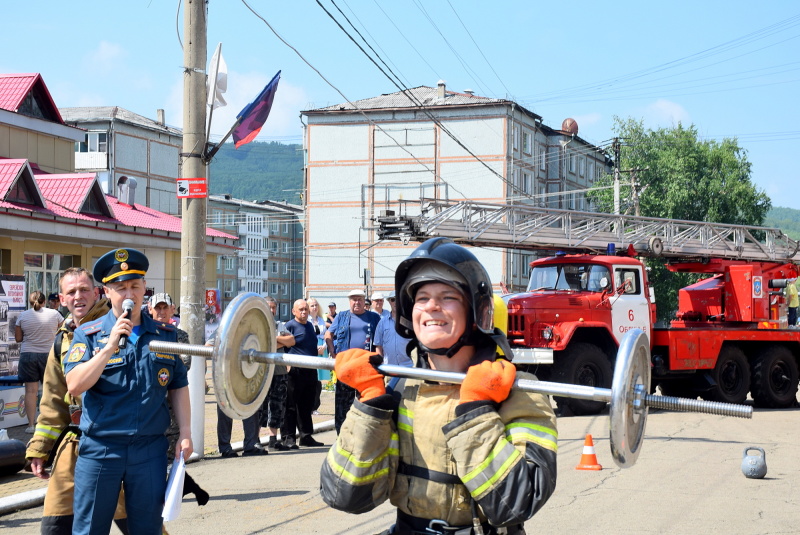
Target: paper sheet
{"x": 174, "y": 495}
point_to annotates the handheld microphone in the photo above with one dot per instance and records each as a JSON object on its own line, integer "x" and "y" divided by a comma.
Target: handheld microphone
{"x": 127, "y": 306}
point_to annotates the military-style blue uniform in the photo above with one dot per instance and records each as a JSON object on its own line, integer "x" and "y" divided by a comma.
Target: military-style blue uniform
{"x": 125, "y": 415}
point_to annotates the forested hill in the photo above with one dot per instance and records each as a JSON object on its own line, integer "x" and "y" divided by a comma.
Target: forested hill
{"x": 786, "y": 219}
{"x": 258, "y": 171}
{"x": 274, "y": 171}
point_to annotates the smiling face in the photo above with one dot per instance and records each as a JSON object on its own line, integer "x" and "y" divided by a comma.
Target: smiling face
{"x": 439, "y": 315}
{"x": 78, "y": 294}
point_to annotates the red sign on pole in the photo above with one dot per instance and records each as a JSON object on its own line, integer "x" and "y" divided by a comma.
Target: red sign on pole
{"x": 192, "y": 188}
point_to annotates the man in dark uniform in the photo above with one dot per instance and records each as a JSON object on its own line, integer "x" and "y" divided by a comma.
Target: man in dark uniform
{"x": 125, "y": 415}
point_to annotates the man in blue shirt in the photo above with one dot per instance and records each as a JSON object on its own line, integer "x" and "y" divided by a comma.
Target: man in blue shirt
{"x": 302, "y": 381}
{"x": 125, "y": 415}
{"x": 354, "y": 328}
{"x": 388, "y": 343}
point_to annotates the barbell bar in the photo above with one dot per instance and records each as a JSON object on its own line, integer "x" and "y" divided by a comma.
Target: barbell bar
{"x": 244, "y": 357}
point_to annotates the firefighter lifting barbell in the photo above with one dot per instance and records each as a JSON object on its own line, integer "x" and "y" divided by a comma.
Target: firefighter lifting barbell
{"x": 244, "y": 356}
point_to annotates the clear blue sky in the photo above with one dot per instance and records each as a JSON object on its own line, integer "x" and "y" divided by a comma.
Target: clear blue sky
{"x": 730, "y": 68}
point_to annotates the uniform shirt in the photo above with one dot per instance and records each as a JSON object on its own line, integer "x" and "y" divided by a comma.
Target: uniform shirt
{"x": 130, "y": 397}
{"x": 394, "y": 346}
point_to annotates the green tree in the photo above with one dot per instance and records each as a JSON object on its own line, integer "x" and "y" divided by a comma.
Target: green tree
{"x": 680, "y": 176}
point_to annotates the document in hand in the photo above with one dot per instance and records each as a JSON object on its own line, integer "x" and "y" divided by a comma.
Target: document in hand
{"x": 174, "y": 495}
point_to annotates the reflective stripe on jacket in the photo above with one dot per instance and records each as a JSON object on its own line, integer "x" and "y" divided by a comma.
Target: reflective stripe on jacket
{"x": 505, "y": 457}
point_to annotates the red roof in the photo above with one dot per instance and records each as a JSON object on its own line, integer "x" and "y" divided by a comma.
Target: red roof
{"x": 15, "y": 172}
{"x": 65, "y": 195}
{"x": 14, "y": 88}
{"x": 68, "y": 191}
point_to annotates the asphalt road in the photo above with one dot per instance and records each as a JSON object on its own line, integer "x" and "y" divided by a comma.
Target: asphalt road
{"x": 687, "y": 480}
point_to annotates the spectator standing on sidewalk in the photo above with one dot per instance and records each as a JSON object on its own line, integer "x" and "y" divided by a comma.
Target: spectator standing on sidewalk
{"x": 353, "y": 328}
{"x": 273, "y": 410}
{"x": 388, "y": 343}
{"x": 377, "y": 305}
{"x": 302, "y": 381}
{"x": 35, "y": 330}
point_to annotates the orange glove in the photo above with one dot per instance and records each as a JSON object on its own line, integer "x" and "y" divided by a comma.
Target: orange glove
{"x": 356, "y": 369}
{"x": 488, "y": 381}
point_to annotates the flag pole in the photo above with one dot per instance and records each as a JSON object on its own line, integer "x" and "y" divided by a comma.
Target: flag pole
{"x": 208, "y": 155}
{"x": 213, "y": 99}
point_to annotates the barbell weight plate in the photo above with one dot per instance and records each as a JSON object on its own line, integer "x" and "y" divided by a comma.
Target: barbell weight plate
{"x": 627, "y": 411}
{"x": 241, "y": 385}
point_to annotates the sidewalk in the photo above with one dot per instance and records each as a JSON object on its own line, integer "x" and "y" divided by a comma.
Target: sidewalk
{"x": 25, "y": 488}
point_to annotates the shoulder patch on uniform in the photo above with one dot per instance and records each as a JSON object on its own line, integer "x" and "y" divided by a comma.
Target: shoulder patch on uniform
{"x": 92, "y": 327}
{"x": 76, "y": 353}
{"x": 163, "y": 376}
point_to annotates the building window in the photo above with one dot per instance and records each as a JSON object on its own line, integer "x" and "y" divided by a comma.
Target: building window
{"x": 571, "y": 163}
{"x": 286, "y": 269}
{"x": 526, "y": 142}
{"x": 581, "y": 165}
{"x": 285, "y": 289}
{"x": 43, "y": 271}
{"x": 273, "y": 246}
{"x": 286, "y": 228}
{"x": 515, "y": 137}
{"x": 284, "y": 310}
{"x": 527, "y": 185}
{"x": 590, "y": 173}
{"x": 93, "y": 142}
{"x": 274, "y": 267}
{"x": 229, "y": 263}
{"x": 286, "y": 247}
{"x": 542, "y": 158}
{"x": 273, "y": 289}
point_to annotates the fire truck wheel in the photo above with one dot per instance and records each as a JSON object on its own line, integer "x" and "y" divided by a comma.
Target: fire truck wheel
{"x": 731, "y": 375}
{"x": 775, "y": 378}
{"x": 582, "y": 364}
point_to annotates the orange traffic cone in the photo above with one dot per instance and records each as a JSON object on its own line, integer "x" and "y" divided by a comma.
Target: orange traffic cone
{"x": 588, "y": 459}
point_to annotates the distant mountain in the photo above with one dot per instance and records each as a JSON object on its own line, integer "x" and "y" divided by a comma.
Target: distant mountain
{"x": 786, "y": 219}
{"x": 258, "y": 171}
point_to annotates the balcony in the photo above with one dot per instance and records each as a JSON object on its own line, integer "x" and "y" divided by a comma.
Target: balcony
{"x": 91, "y": 160}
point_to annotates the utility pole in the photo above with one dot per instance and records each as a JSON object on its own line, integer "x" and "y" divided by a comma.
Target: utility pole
{"x": 616, "y": 175}
{"x": 193, "y": 232}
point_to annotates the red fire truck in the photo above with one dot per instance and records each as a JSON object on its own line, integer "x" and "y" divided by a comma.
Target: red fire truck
{"x": 729, "y": 337}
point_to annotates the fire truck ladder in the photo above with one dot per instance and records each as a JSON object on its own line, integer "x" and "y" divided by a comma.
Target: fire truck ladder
{"x": 523, "y": 226}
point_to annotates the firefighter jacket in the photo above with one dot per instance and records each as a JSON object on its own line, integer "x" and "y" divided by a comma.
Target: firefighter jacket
{"x": 54, "y": 414}
{"x": 431, "y": 456}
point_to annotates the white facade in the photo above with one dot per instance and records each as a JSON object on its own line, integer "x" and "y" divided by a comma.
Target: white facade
{"x": 481, "y": 149}
{"x": 121, "y": 143}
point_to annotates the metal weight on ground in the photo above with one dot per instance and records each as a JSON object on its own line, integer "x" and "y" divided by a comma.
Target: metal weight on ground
{"x": 243, "y": 359}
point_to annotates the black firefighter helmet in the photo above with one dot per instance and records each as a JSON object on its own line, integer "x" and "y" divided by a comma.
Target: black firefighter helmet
{"x": 442, "y": 260}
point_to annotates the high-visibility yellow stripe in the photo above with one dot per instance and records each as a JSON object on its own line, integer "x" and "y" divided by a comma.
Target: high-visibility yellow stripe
{"x": 47, "y": 431}
{"x": 477, "y": 492}
{"x": 537, "y": 434}
{"x": 549, "y": 444}
{"x": 480, "y": 468}
{"x": 541, "y": 428}
{"x": 405, "y": 420}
